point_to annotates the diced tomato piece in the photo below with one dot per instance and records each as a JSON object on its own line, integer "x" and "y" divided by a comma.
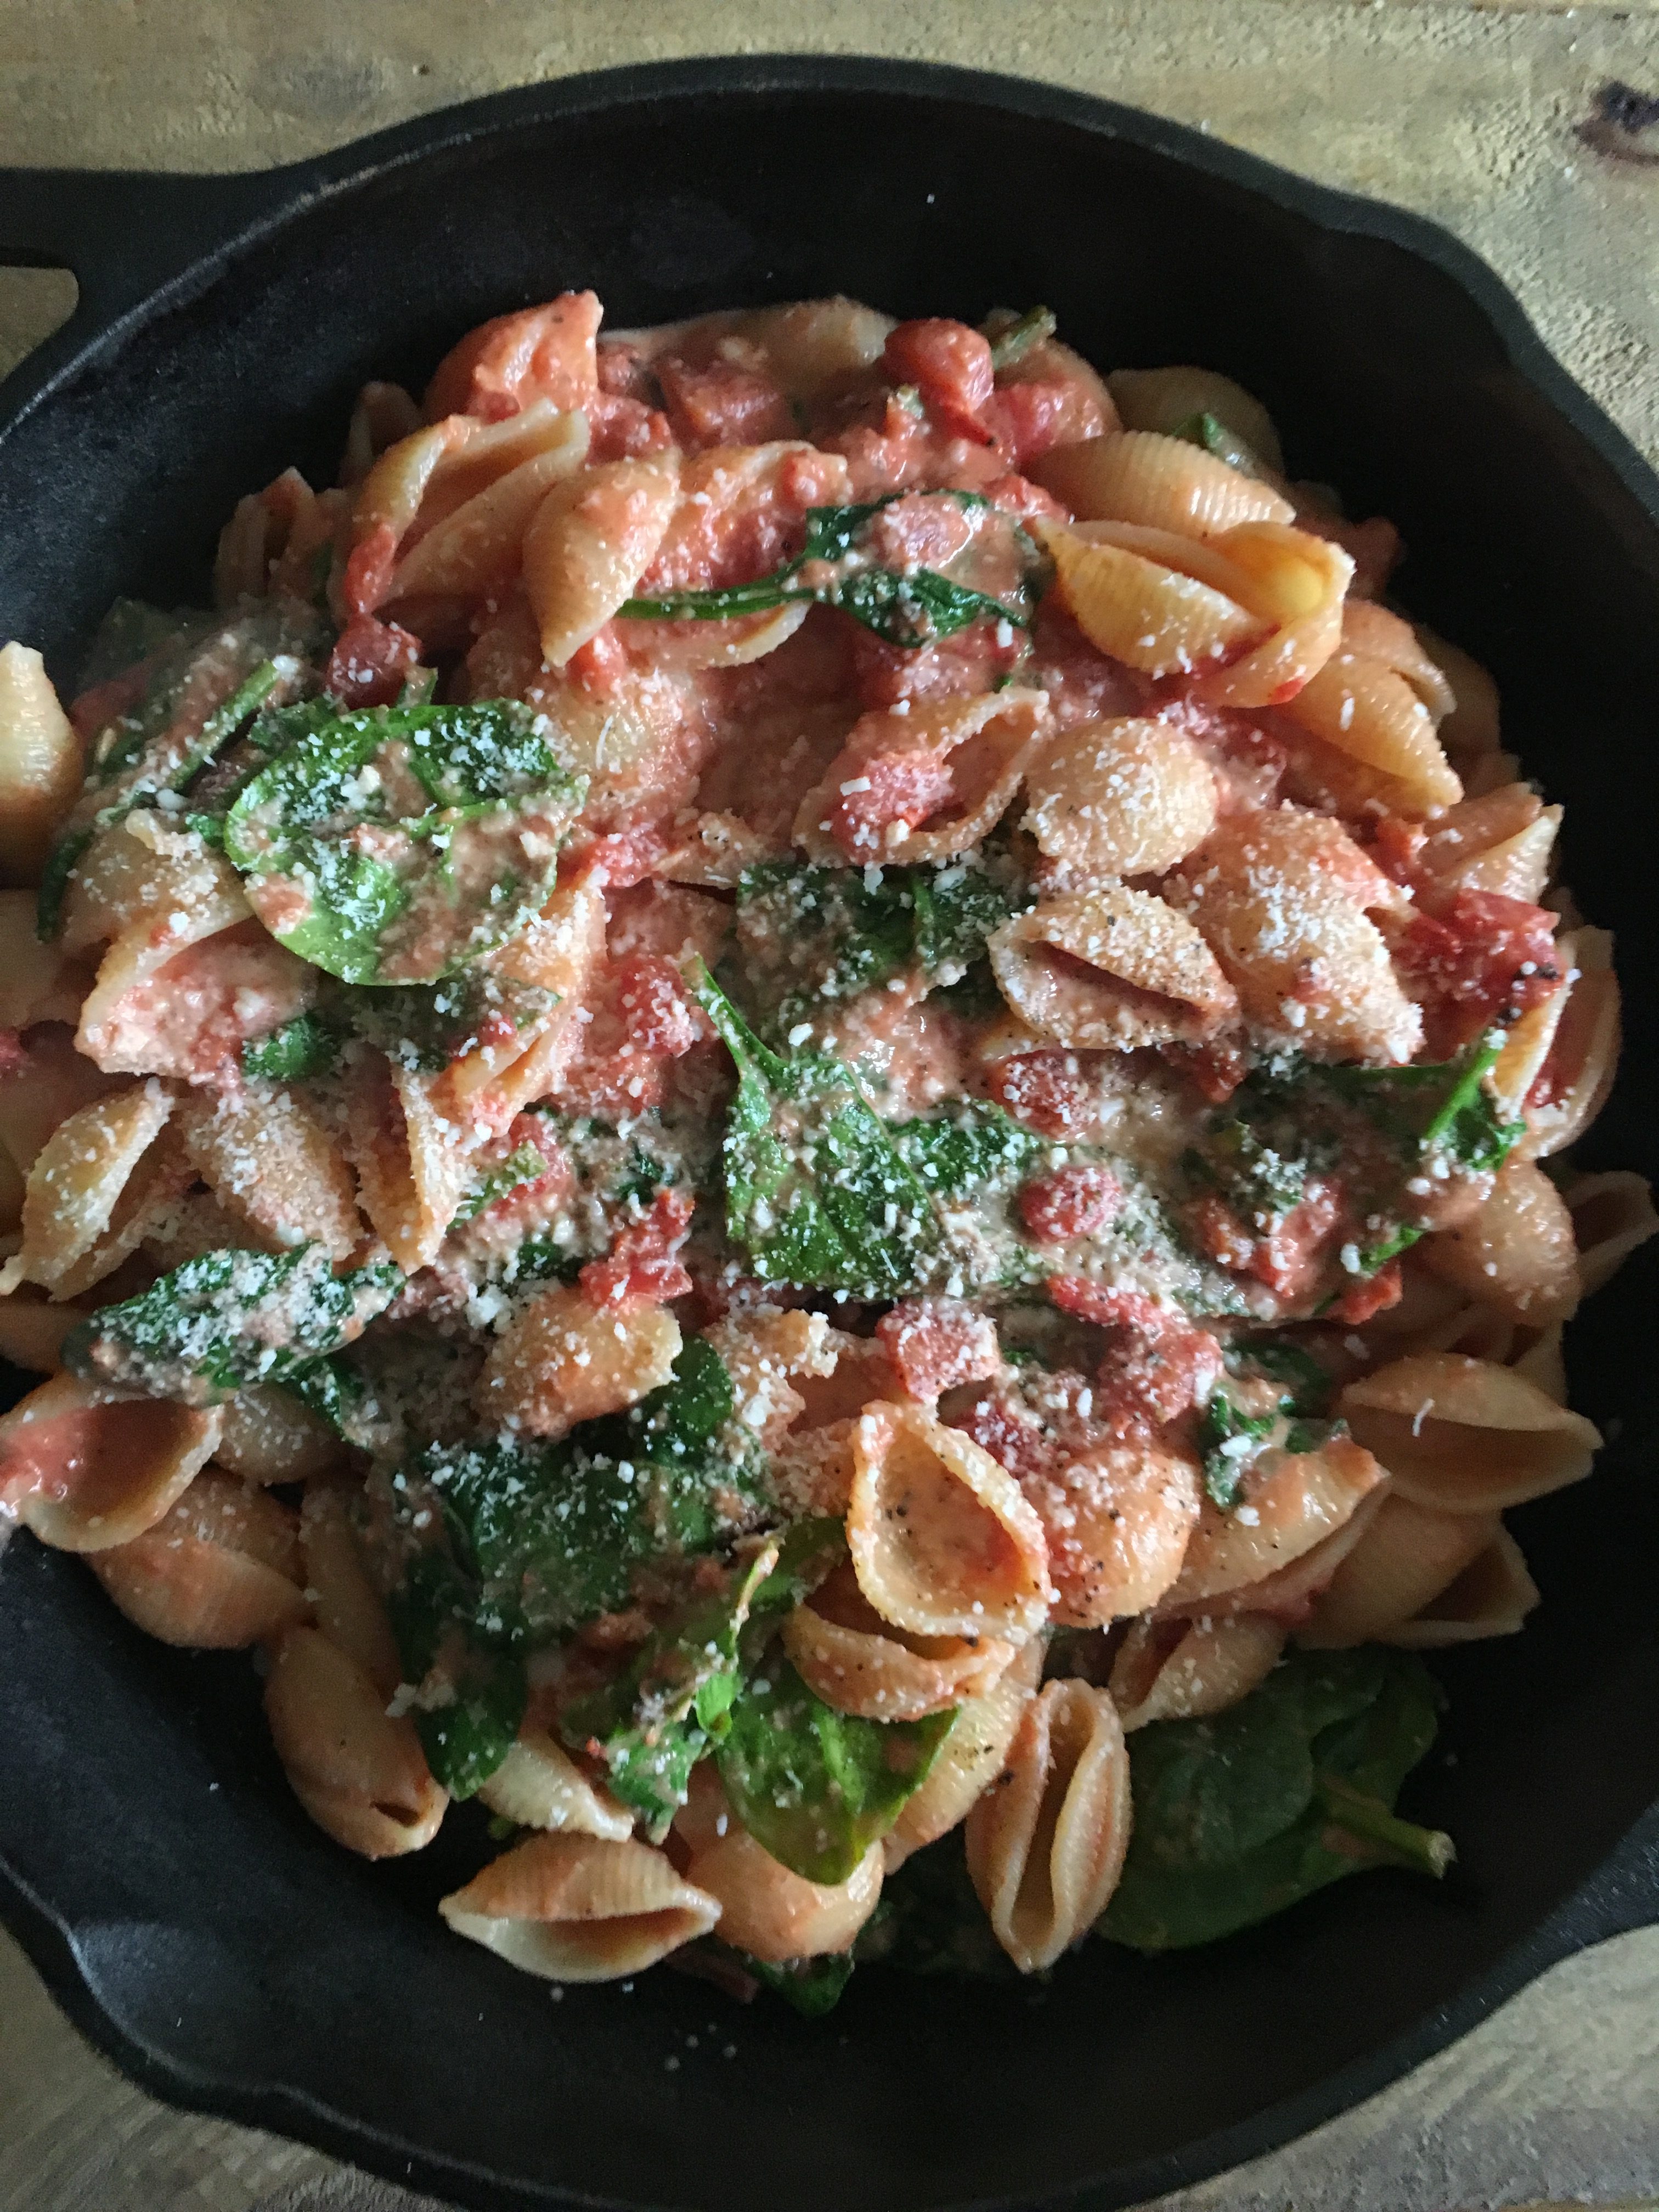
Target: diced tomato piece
{"x": 1217, "y": 1070}
{"x": 1479, "y": 958}
{"x": 622, "y": 370}
{"x": 1048, "y": 1091}
{"x": 369, "y": 662}
{"x": 655, "y": 1008}
{"x": 1030, "y": 418}
{"x": 1018, "y": 495}
{"x": 1395, "y": 845}
{"x": 723, "y": 405}
{"x": 1375, "y": 1295}
{"x": 1218, "y": 1233}
{"x": 1156, "y": 1365}
{"x": 938, "y": 1343}
{"x": 94, "y": 709}
{"x": 622, "y": 428}
{"x": 1073, "y": 1201}
{"x": 369, "y": 569}
{"x": 642, "y": 1266}
{"x": 1006, "y": 1428}
{"x": 14, "y": 1053}
{"x": 1288, "y": 1259}
{"x": 619, "y": 858}
{"x": 539, "y": 353}
{"x": 950, "y": 366}
{"x": 960, "y": 666}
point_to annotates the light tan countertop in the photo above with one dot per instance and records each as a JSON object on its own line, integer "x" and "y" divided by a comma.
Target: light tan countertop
{"x": 1487, "y": 118}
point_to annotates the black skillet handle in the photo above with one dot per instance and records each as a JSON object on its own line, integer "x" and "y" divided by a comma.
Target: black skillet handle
{"x": 125, "y": 234}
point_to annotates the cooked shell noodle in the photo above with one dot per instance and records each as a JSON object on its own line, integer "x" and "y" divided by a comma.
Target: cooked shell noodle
{"x": 475, "y": 549}
{"x": 774, "y": 1914}
{"x": 1122, "y": 798}
{"x": 1282, "y": 900}
{"x": 1290, "y": 1502}
{"x": 346, "y": 1606}
{"x": 86, "y": 1193}
{"x": 138, "y": 869}
{"x": 1298, "y": 582}
{"x": 1288, "y": 1592}
{"x": 269, "y": 1437}
{"x": 40, "y": 764}
{"x": 1466, "y": 1436}
{"x": 560, "y": 954}
{"x": 38, "y": 983}
{"x": 969, "y": 1760}
{"x": 1528, "y": 1044}
{"x": 1585, "y": 1049}
{"x": 765, "y": 1350}
{"x": 539, "y": 1785}
{"x": 1111, "y": 968}
{"x": 383, "y": 413}
{"x": 1493, "y": 1596}
{"x": 53, "y": 1082}
{"x": 1517, "y": 867}
{"x": 391, "y": 493}
{"x": 86, "y": 1467}
{"x": 411, "y": 1160}
{"x": 273, "y": 1168}
{"x": 361, "y": 1775}
{"x": 220, "y": 1570}
{"x": 581, "y": 1908}
{"x": 860, "y": 1664}
{"x": 1542, "y": 1361}
{"x": 1372, "y": 715}
{"x": 1165, "y": 484}
{"x": 1515, "y": 1252}
{"x": 1408, "y": 1554}
{"x": 1046, "y": 1842}
{"x": 1118, "y": 1518}
{"x": 981, "y": 749}
{"x": 1164, "y": 398}
{"x": 32, "y": 1330}
{"x": 943, "y": 1543}
{"x": 1612, "y": 1215}
{"x": 812, "y": 1469}
{"x": 1133, "y": 603}
{"x": 1186, "y": 1671}
{"x": 592, "y": 539}
{"x": 563, "y": 1360}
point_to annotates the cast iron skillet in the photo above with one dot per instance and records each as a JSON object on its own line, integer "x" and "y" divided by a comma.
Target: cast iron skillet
{"x": 180, "y": 1906}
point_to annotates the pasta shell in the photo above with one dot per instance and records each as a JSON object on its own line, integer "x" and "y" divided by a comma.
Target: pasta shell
{"x": 943, "y": 1543}
{"x": 361, "y": 1775}
{"x": 1373, "y": 716}
{"x": 268, "y": 1437}
{"x": 1518, "y": 867}
{"x": 1493, "y": 1596}
{"x": 954, "y": 765}
{"x": 1515, "y": 1252}
{"x": 1118, "y": 1519}
{"x": 1164, "y": 398}
{"x": 1188, "y": 1670}
{"x": 85, "y": 1198}
{"x": 581, "y": 1908}
{"x": 32, "y": 1332}
{"x": 1284, "y": 900}
{"x": 561, "y": 954}
{"x": 1166, "y": 483}
{"x": 774, "y": 1914}
{"x": 592, "y": 539}
{"x": 86, "y": 1469}
{"x": 390, "y": 495}
{"x": 133, "y": 870}
{"x": 1465, "y": 1436}
{"x": 1528, "y": 1044}
{"x": 1584, "y": 1057}
{"x": 1110, "y": 968}
{"x": 1375, "y": 634}
{"x": 763, "y": 1353}
{"x": 539, "y": 1785}
{"x": 1132, "y": 604}
{"x": 273, "y": 1168}
{"x": 220, "y": 1570}
{"x": 859, "y": 1663}
{"x": 969, "y": 1760}
{"x": 1612, "y": 1214}
{"x": 412, "y": 1160}
{"x": 488, "y": 451}
{"x": 1122, "y": 798}
{"x": 1046, "y": 1842}
{"x": 383, "y": 413}
{"x": 345, "y": 1605}
{"x": 476, "y": 550}
{"x": 1291, "y": 1501}
{"x": 1408, "y": 1554}
{"x": 40, "y": 762}
{"x": 38, "y": 983}
{"x": 53, "y": 1082}
{"x": 562, "y": 1361}
{"x": 1287, "y": 1593}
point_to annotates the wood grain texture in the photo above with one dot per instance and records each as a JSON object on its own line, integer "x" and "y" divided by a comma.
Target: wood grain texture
{"x": 1469, "y": 113}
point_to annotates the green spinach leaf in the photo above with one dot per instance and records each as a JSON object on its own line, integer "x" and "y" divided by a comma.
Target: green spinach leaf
{"x": 815, "y": 1787}
{"x": 302, "y": 1048}
{"x": 466, "y": 1736}
{"x": 394, "y": 845}
{"x": 1238, "y": 1817}
{"x": 228, "y": 1319}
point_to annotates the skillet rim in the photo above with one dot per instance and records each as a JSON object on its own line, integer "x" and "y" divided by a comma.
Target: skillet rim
{"x": 194, "y": 225}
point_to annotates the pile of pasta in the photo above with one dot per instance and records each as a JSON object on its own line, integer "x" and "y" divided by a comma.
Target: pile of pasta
{"x": 802, "y": 1077}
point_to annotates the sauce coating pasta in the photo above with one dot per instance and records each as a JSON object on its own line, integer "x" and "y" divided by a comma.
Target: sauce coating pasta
{"x": 798, "y": 1104}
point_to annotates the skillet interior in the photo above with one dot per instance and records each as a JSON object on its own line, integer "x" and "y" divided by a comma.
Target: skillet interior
{"x": 185, "y": 1909}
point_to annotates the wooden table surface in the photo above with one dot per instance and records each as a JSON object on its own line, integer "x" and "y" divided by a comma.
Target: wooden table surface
{"x": 1520, "y": 124}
